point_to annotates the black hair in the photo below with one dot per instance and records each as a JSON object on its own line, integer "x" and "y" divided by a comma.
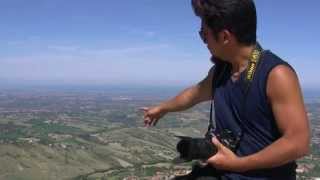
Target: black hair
{"x": 237, "y": 16}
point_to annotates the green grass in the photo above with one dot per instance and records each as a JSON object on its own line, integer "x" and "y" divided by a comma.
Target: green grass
{"x": 11, "y": 132}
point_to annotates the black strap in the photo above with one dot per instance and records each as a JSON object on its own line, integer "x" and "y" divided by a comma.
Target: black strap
{"x": 250, "y": 72}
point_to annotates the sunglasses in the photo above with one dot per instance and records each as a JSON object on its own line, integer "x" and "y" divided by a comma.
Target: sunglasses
{"x": 197, "y": 6}
{"x": 203, "y": 35}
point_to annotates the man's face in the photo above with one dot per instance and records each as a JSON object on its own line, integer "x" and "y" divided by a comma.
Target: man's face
{"x": 215, "y": 46}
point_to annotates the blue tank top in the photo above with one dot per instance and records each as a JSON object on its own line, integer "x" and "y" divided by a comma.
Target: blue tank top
{"x": 250, "y": 115}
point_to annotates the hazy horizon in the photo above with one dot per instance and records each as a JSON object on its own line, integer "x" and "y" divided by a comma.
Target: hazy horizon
{"x": 126, "y": 42}
{"x": 121, "y": 89}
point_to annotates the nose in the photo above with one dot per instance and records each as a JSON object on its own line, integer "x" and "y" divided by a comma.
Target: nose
{"x": 203, "y": 36}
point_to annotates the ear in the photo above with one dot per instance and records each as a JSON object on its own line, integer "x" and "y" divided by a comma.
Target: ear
{"x": 225, "y": 36}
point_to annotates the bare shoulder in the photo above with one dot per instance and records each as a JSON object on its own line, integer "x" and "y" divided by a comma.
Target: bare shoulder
{"x": 286, "y": 100}
{"x": 282, "y": 81}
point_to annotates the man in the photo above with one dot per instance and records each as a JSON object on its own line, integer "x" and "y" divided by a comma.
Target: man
{"x": 267, "y": 110}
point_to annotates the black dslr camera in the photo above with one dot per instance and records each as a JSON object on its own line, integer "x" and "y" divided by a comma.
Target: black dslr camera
{"x": 202, "y": 148}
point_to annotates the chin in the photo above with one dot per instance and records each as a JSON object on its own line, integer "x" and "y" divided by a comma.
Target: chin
{"x": 212, "y": 59}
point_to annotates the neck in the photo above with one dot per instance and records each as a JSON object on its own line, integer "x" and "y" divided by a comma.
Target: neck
{"x": 241, "y": 58}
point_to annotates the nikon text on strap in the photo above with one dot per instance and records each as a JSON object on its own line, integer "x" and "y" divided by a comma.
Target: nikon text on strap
{"x": 253, "y": 64}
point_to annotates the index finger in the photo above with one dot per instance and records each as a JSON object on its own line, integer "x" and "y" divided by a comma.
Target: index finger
{"x": 144, "y": 109}
{"x": 217, "y": 143}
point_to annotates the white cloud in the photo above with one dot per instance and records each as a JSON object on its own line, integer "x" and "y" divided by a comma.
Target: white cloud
{"x": 149, "y": 33}
{"x": 15, "y": 43}
{"x": 127, "y": 50}
{"x": 63, "y": 47}
{"x": 142, "y": 64}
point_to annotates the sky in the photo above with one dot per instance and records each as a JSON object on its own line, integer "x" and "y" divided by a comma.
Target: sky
{"x": 145, "y": 42}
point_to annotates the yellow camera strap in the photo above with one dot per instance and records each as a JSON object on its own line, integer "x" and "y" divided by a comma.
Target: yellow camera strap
{"x": 252, "y": 67}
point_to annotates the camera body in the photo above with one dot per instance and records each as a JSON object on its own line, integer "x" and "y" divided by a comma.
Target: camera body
{"x": 202, "y": 148}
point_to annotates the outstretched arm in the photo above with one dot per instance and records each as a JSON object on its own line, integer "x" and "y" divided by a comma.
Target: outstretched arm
{"x": 184, "y": 100}
{"x": 190, "y": 96}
